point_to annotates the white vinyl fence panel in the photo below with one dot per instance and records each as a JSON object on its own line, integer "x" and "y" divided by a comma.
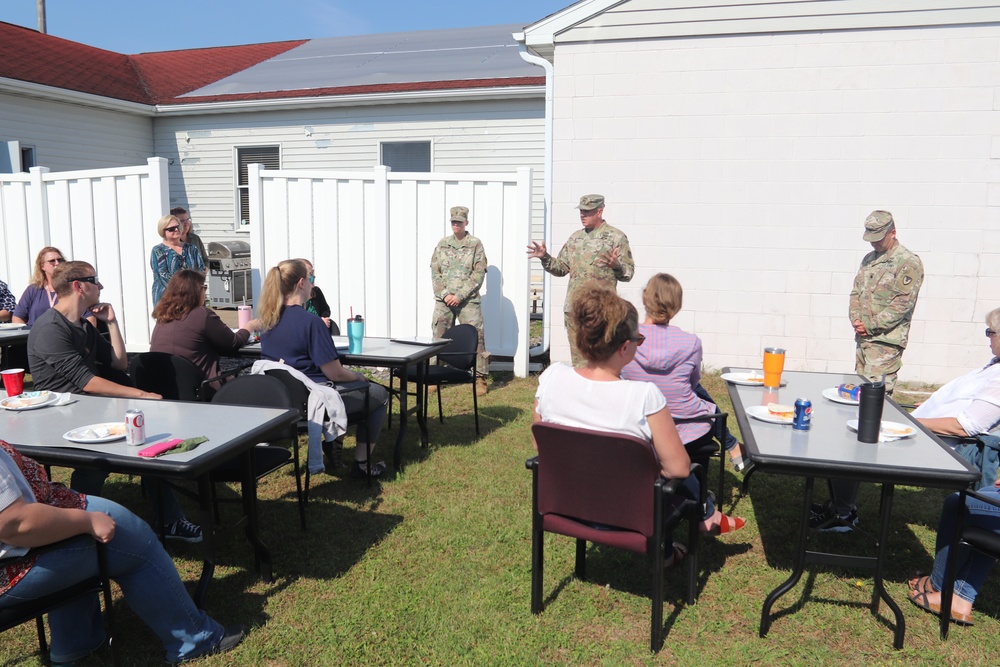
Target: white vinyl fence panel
{"x": 370, "y": 236}
{"x": 103, "y": 216}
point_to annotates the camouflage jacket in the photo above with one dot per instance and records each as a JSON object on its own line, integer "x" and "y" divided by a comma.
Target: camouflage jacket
{"x": 885, "y": 293}
{"x": 578, "y": 258}
{"x": 459, "y": 268}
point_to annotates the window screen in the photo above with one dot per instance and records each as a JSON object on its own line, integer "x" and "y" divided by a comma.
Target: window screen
{"x": 266, "y": 155}
{"x": 407, "y": 155}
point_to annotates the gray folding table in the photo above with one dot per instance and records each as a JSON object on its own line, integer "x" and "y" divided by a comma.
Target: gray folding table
{"x": 829, "y": 449}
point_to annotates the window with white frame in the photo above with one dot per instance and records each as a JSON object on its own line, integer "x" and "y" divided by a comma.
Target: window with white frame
{"x": 270, "y": 157}
{"x": 406, "y": 155}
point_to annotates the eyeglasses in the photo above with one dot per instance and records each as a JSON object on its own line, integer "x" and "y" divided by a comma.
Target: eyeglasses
{"x": 638, "y": 339}
{"x": 88, "y": 279}
{"x": 990, "y": 333}
{"x": 172, "y": 229}
{"x": 57, "y": 260}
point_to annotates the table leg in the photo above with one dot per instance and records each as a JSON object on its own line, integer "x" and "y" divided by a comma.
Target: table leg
{"x": 207, "y": 539}
{"x": 248, "y": 492}
{"x": 421, "y": 402}
{"x": 800, "y": 562}
{"x": 404, "y": 396}
{"x": 885, "y": 511}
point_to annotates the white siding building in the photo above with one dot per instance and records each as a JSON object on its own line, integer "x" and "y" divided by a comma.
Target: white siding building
{"x": 741, "y": 145}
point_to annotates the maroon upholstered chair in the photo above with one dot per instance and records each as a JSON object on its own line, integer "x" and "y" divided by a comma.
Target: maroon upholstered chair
{"x": 582, "y": 478}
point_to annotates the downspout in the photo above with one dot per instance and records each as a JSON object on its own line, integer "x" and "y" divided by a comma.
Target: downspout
{"x": 529, "y": 57}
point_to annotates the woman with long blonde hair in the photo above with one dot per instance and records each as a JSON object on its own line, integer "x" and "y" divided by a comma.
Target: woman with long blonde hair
{"x": 39, "y": 295}
{"x": 302, "y": 340}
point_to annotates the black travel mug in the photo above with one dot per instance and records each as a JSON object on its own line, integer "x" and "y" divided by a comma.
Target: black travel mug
{"x": 870, "y": 401}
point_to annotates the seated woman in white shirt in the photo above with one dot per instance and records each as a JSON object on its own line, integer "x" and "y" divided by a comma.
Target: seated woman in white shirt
{"x": 970, "y": 404}
{"x": 595, "y": 396}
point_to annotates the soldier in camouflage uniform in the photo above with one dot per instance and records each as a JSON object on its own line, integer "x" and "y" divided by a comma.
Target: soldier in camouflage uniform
{"x": 597, "y": 252}
{"x": 882, "y": 301}
{"x": 458, "y": 268}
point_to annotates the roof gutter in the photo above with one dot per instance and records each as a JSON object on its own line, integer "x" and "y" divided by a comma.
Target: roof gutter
{"x": 369, "y": 99}
{"x": 66, "y": 96}
{"x": 530, "y": 57}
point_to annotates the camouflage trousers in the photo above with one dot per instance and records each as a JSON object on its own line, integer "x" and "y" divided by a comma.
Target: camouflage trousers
{"x": 877, "y": 359}
{"x": 574, "y": 352}
{"x": 466, "y": 313}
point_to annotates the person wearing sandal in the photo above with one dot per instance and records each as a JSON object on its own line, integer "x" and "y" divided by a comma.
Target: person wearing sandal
{"x": 302, "y": 340}
{"x": 671, "y": 359}
{"x": 971, "y": 568}
{"x": 596, "y": 397}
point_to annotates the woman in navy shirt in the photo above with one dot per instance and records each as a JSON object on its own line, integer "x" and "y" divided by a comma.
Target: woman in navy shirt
{"x": 302, "y": 340}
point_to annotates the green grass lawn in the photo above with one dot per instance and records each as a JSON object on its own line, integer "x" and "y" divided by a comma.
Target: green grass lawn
{"x": 433, "y": 567}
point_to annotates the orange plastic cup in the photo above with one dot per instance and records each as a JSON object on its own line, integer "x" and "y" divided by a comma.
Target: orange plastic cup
{"x": 774, "y": 363}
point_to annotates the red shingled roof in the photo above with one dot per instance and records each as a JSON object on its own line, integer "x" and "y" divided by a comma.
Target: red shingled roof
{"x": 147, "y": 78}
{"x": 28, "y": 55}
{"x": 160, "y": 78}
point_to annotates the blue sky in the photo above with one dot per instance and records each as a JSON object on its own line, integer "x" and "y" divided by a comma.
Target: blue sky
{"x": 135, "y": 26}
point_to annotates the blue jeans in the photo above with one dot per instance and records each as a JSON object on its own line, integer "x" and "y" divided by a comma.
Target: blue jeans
{"x": 703, "y": 394}
{"x": 972, "y": 567}
{"x": 147, "y": 577}
{"x": 378, "y": 400}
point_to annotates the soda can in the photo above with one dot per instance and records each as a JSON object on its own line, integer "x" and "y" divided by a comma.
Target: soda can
{"x": 135, "y": 427}
{"x": 803, "y": 414}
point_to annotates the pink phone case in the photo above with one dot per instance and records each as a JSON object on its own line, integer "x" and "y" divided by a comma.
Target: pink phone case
{"x": 153, "y": 450}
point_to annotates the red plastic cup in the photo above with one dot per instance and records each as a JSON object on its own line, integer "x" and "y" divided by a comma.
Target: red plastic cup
{"x": 13, "y": 381}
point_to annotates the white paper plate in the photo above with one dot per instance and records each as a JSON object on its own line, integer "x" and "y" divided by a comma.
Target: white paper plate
{"x": 833, "y": 394}
{"x": 747, "y": 378}
{"x": 95, "y": 433}
{"x": 890, "y": 430}
{"x": 12, "y": 326}
{"x": 40, "y": 399}
{"x": 762, "y": 413}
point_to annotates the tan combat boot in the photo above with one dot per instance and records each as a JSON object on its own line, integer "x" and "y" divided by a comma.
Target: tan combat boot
{"x": 481, "y": 387}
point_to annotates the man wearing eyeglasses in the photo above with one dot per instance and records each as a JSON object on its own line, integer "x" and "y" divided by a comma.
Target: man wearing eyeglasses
{"x": 187, "y": 235}
{"x": 597, "y": 252}
{"x": 882, "y": 301}
{"x": 65, "y": 351}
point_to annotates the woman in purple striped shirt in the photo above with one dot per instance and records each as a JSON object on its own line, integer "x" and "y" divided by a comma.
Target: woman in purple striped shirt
{"x": 671, "y": 359}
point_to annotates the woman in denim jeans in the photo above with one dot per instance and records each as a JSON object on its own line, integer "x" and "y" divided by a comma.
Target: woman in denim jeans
{"x": 35, "y": 512}
{"x": 971, "y": 567}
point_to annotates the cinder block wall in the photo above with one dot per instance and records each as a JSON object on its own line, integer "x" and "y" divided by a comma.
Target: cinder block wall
{"x": 745, "y": 166}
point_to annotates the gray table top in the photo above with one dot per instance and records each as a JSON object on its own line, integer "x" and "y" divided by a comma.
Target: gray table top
{"x": 830, "y": 449}
{"x": 229, "y": 429}
{"x": 375, "y": 351}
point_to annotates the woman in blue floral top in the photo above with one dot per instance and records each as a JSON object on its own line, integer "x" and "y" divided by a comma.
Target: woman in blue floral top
{"x": 172, "y": 255}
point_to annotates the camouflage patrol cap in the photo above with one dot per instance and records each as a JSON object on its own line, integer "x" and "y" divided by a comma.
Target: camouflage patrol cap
{"x": 591, "y": 202}
{"x": 877, "y": 225}
{"x": 459, "y": 213}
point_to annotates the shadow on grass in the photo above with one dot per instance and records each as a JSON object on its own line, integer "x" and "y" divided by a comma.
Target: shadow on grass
{"x": 777, "y": 501}
{"x": 626, "y": 572}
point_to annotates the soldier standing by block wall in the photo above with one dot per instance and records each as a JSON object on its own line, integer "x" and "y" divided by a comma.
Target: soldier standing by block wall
{"x": 597, "y": 252}
{"x": 882, "y": 301}
{"x": 458, "y": 268}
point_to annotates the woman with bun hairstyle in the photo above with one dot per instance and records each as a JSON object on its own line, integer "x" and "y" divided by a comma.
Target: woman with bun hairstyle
{"x": 596, "y": 397}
